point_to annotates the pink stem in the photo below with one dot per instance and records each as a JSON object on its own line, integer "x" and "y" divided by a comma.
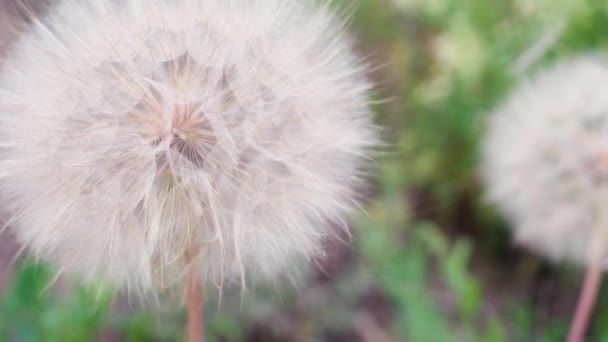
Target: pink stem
{"x": 194, "y": 298}
{"x": 586, "y": 303}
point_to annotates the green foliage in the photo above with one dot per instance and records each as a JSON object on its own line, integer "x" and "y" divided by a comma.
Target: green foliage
{"x": 30, "y": 312}
{"x": 404, "y": 267}
{"x": 470, "y": 55}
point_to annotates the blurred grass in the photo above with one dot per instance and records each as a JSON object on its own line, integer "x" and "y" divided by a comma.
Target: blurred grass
{"x": 431, "y": 261}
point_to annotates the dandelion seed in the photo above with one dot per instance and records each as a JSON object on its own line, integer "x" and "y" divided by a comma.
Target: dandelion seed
{"x": 142, "y": 138}
{"x": 545, "y": 159}
{"x": 545, "y": 163}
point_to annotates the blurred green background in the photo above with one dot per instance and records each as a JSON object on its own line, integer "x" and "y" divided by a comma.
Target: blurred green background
{"x": 429, "y": 260}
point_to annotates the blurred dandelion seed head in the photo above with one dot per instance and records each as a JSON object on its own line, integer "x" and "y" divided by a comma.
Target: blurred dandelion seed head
{"x": 545, "y": 159}
{"x": 133, "y": 131}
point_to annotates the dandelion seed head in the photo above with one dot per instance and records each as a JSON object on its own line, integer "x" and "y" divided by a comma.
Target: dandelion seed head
{"x": 134, "y": 133}
{"x": 545, "y": 160}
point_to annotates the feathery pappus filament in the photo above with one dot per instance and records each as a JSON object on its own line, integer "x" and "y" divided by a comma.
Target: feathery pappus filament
{"x": 134, "y": 131}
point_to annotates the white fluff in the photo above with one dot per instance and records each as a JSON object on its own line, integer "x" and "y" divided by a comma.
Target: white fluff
{"x": 545, "y": 160}
{"x": 132, "y": 132}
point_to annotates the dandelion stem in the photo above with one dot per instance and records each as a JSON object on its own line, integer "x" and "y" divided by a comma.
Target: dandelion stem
{"x": 586, "y": 302}
{"x": 194, "y": 299}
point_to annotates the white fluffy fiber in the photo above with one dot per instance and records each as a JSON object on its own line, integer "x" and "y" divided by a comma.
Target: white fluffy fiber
{"x": 545, "y": 160}
{"x": 135, "y": 132}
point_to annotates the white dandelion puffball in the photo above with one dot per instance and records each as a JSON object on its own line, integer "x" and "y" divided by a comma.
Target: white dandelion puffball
{"x": 140, "y": 137}
{"x": 545, "y": 160}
